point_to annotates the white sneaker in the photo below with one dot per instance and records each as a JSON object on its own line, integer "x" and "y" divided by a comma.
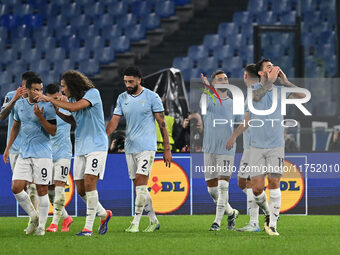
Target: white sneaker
{"x": 33, "y": 226}
{"x": 272, "y": 231}
{"x": 249, "y": 228}
{"x": 39, "y": 231}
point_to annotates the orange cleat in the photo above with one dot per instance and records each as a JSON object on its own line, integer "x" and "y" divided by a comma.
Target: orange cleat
{"x": 66, "y": 224}
{"x": 52, "y": 228}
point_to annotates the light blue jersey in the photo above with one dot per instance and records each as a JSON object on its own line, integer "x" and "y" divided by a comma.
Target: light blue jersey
{"x": 90, "y": 135}
{"x": 215, "y": 138}
{"x": 15, "y": 149}
{"x": 271, "y": 134}
{"x": 61, "y": 142}
{"x": 35, "y": 141}
{"x": 140, "y": 121}
{"x": 246, "y": 139}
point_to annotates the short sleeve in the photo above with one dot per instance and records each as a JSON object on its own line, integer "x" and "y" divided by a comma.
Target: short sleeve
{"x": 246, "y": 108}
{"x": 118, "y": 108}
{"x": 93, "y": 96}
{"x": 157, "y": 105}
{"x": 50, "y": 112}
{"x": 15, "y": 112}
{"x": 66, "y": 112}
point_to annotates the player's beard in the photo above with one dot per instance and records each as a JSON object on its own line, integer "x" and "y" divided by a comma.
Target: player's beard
{"x": 133, "y": 90}
{"x": 222, "y": 90}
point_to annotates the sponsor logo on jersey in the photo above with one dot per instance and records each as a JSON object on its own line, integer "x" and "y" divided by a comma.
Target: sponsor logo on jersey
{"x": 168, "y": 187}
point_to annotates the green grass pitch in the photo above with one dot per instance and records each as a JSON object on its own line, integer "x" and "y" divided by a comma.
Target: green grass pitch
{"x": 178, "y": 235}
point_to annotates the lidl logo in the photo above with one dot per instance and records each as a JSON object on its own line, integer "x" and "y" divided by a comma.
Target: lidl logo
{"x": 69, "y": 191}
{"x": 292, "y": 187}
{"x": 168, "y": 187}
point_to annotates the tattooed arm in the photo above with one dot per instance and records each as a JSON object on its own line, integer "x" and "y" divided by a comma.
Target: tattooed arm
{"x": 267, "y": 83}
{"x": 164, "y": 131}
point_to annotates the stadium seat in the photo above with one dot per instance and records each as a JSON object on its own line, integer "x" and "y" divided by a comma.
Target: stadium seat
{"x": 268, "y": 19}
{"x": 49, "y": 10}
{"x": 327, "y": 37}
{"x": 197, "y": 52}
{"x": 121, "y": 44}
{"x": 23, "y": 9}
{"x": 195, "y": 73}
{"x": 46, "y": 44}
{"x": 65, "y": 31}
{"x": 226, "y": 51}
{"x": 242, "y": 18}
{"x": 22, "y": 44}
{"x": 182, "y": 63}
{"x": 232, "y": 63}
{"x": 9, "y": 55}
{"x": 82, "y": 20}
{"x": 151, "y": 21}
{"x": 280, "y": 6}
{"x": 181, "y": 2}
{"x": 135, "y": 32}
{"x": 65, "y": 65}
{"x": 31, "y": 55}
{"x": 20, "y": 31}
{"x": 112, "y": 31}
{"x": 71, "y": 10}
{"x": 141, "y": 8}
{"x": 3, "y": 43}
{"x": 56, "y": 54}
{"x": 69, "y": 42}
{"x": 42, "y": 65}
{"x": 124, "y": 21}
{"x": 105, "y": 55}
{"x": 207, "y": 64}
{"x": 90, "y": 67}
{"x": 93, "y": 43}
{"x": 104, "y": 20}
{"x": 212, "y": 41}
{"x": 256, "y": 6}
{"x": 18, "y": 67}
{"x": 33, "y": 20}
{"x": 225, "y": 29}
{"x": 88, "y": 31}
{"x": 43, "y": 32}
{"x": 94, "y": 9}
{"x": 165, "y": 9}
{"x": 58, "y": 21}
{"x": 80, "y": 54}
{"x": 118, "y": 8}
{"x": 9, "y": 21}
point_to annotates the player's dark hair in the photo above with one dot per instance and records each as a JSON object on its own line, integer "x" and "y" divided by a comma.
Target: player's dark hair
{"x": 260, "y": 63}
{"x": 77, "y": 83}
{"x": 32, "y": 80}
{"x": 217, "y": 72}
{"x": 29, "y": 74}
{"x": 251, "y": 71}
{"x": 52, "y": 88}
{"x": 133, "y": 71}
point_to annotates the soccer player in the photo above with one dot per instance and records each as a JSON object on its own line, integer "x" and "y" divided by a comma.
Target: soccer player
{"x": 61, "y": 155}
{"x": 34, "y": 163}
{"x": 267, "y": 142}
{"x": 250, "y": 78}
{"x": 218, "y": 161}
{"x": 91, "y": 143}
{"x": 141, "y": 107}
{"x": 7, "y": 111}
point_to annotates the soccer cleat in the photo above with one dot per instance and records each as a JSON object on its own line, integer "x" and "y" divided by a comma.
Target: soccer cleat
{"x": 272, "y": 231}
{"x": 85, "y": 232}
{"x": 132, "y": 228}
{"x": 65, "y": 227}
{"x": 39, "y": 231}
{"x": 249, "y": 228}
{"x": 52, "y": 228}
{"x": 103, "y": 223}
{"x": 266, "y": 222}
{"x": 232, "y": 219}
{"x": 32, "y": 227}
{"x": 152, "y": 227}
{"x": 214, "y": 227}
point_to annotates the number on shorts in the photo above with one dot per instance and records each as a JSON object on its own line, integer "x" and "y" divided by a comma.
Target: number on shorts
{"x": 44, "y": 173}
{"x": 94, "y": 163}
{"x": 64, "y": 170}
{"x": 281, "y": 162}
{"x": 145, "y": 163}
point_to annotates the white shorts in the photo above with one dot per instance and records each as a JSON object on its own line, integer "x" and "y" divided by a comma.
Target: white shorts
{"x": 243, "y": 171}
{"x": 265, "y": 161}
{"x": 217, "y": 165}
{"x": 37, "y": 170}
{"x": 92, "y": 163}
{"x": 140, "y": 163}
{"x": 61, "y": 169}
{"x": 13, "y": 157}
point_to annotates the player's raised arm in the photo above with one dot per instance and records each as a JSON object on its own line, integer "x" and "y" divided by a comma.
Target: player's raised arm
{"x": 8, "y": 106}
{"x": 49, "y": 125}
{"x": 164, "y": 131}
{"x": 13, "y": 135}
{"x": 285, "y": 82}
{"x": 270, "y": 78}
{"x": 240, "y": 129}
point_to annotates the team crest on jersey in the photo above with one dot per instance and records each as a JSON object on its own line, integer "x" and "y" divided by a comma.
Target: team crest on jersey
{"x": 69, "y": 191}
{"x": 143, "y": 102}
{"x": 168, "y": 187}
{"x": 292, "y": 187}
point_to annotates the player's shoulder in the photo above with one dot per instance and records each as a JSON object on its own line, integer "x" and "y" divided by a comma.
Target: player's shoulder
{"x": 149, "y": 93}
{"x": 92, "y": 91}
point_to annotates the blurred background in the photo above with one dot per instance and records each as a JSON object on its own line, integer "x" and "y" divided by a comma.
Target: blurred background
{"x": 173, "y": 41}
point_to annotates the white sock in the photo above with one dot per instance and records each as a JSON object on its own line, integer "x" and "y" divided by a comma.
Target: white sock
{"x": 261, "y": 200}
{"x": 58, "y": 205}
{"x": 101, "y": 212}
{"x": 51, "y": 195}
{"x": 64, "y": 213}
{"x": 91, "y": 208}
{"x": 149, "y": 209}
{"x": 44, "y": 205}
{"x": 253, "y": 208}
{"x": 274, "y": 206}
{"x": 26, "y": 204}
{"x": 223, "y": 186}
{"x": 141, "y": 196}
{"x": 213, "y": 192}
{"x": 33, "y": 194}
